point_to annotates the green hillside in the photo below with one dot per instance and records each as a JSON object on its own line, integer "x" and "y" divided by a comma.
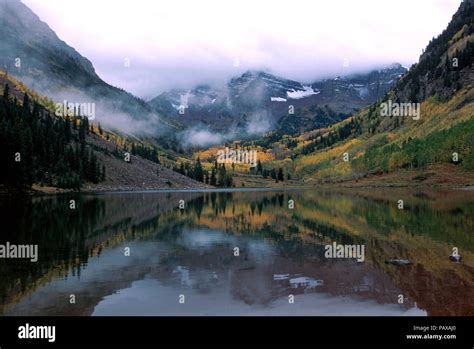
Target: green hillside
{"x": 373, "y": 145}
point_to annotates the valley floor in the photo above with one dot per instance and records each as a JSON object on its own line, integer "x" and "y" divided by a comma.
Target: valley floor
{"x": 446, "y": 176}
{"x": 434, "y": 176}
{"x": 139, "y": 177}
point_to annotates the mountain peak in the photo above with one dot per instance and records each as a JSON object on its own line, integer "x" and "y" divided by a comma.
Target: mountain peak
{"x": 32, "y": 52}
{"x": 25, "y": 36}
{"x": 445, "y": 65}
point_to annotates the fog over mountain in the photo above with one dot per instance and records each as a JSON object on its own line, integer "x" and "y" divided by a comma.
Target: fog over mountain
{"x": 257, "y": 102}
{"x": 179, "y": 44}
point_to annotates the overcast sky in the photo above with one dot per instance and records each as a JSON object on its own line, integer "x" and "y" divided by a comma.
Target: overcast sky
{"x": 179, "y": 43}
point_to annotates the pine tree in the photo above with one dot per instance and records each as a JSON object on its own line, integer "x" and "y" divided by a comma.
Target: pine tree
{"x": 86, "y": 124}
{"x": 259, "y": 167}
{"x": 82, "y": 130}
{"x": 198, "y": 172}
{"x": 280, "y": 174}
{"x": 6, "y": 93}
{"x": 221, "y": 180}
{"x": 213, "y": 180}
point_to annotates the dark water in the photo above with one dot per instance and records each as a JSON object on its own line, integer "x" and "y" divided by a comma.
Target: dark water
{"x": 188, "y": 255}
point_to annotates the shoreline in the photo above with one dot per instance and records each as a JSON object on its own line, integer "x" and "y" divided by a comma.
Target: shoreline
{"x": 52, "y": 191}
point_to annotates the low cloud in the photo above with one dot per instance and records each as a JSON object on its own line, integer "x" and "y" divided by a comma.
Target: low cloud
{"x": 196, "y": 137}
{"x": 259, "y": 123}
{"x": 177, "y": 44}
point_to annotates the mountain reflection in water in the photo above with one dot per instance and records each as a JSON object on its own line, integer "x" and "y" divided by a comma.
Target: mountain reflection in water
{"x": 189, "y": 255}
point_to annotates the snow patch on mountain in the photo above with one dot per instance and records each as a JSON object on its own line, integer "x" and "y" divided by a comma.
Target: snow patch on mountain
{"x": 306, "y": 92}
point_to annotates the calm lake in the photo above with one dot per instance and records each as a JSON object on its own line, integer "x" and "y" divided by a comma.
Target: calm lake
{"x": 240, "y": 253}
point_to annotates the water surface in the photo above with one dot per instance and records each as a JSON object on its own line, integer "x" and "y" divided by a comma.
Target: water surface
{"x": 183, "y": 262}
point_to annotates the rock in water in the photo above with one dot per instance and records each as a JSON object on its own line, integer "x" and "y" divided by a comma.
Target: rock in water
{"x": 455, "y": 258}
{"x": 398, "y": 261}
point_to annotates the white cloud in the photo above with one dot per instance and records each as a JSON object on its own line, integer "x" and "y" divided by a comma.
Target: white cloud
{"x": 201, "y": 137}
{"x": 182, "y": 42}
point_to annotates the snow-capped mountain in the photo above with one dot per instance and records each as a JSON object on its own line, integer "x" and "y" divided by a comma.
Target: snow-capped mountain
{"x": 179, "y": 99}
{"x": 261, "y": 87}
{"x": 252, "y": 90}
{"x": 365, "y": 87}
{"x": 259, "y": 94}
